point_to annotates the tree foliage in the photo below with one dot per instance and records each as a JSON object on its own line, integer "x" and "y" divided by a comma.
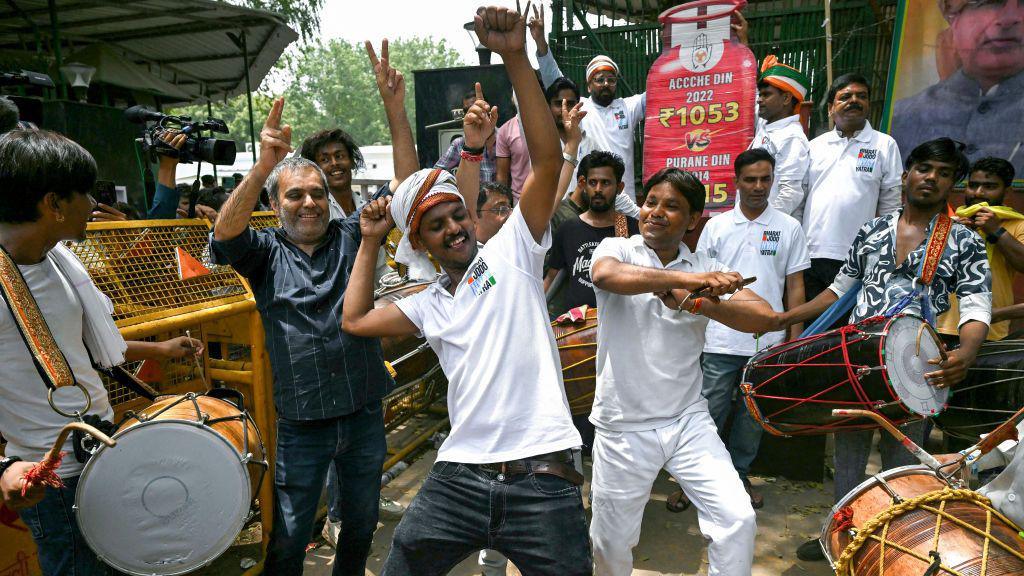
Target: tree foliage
{"x": 330, "y": 84}
{"x": 302, "y": 14}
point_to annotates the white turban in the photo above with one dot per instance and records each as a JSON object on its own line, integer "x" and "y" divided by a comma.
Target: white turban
{"x": 415, "y": 196}
{"x": 601, "y": 62}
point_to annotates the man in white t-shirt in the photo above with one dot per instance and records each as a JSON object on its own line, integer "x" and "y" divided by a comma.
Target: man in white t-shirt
{"x": 611, "y": 121}
{"x": 854, "y": 176}
{"x": 759, "y": 241}
{"x": 780, "y": 90}
{"x": 648, "y": 407}
{"x": 45, "y": 181}
{"x": 504, "y": 477}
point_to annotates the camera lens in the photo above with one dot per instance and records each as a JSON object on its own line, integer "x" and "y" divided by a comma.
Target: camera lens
{"x": 216, "y": 151}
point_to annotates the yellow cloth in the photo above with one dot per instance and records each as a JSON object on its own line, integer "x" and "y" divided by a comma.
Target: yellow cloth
{"x": 1002, "y": 272}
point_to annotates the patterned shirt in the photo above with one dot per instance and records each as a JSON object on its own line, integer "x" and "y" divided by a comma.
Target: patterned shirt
{"x": 319, "y": 370}
{"x": 963, "y": 270}
{"x": 453, "y": 156}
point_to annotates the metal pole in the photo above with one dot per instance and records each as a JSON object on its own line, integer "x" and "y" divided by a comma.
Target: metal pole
{"x": 55, "y": 44}
{"x": 209, "y": 114}
{"x": 248, "y": 95}
{"x": 828, "y": 49}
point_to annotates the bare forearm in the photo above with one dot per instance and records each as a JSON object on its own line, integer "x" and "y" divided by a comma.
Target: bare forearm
{"x": 809, "y": 310}
{"x": 467, "y": 178}
{"x": 541, "y": 136}
{"x": 166, "y": 173}
{"x": 568, "y": 172}
{"x": 403, "y": 148}
{"x": 795, "y": 296}
{"x": 237, "y": 210}
{"x": 1011, "y": 312}
{"x": 1013, "y": 250}
{"x": 359, "y": 292}
{"x": 143, "y": 350}
{"x": 628, "y": 279}
{"x": 972, "y": 336}
{"x": 742, "y": 313}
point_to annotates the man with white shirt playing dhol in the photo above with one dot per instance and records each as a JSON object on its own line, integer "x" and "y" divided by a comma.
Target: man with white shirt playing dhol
{"x": 648, "y": 409}
{"x": 504, "y": 478}
{"x": 756, "y": 240}
{"x": 854, "y": 176}
{"x": 780, "y": 90}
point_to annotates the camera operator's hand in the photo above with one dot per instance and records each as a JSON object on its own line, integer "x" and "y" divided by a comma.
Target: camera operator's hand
{"x": 104, "y": 213}
{"x": 168, "y": 165}
{"x": 275, "y": 140}
{"x": 390, "y": 82}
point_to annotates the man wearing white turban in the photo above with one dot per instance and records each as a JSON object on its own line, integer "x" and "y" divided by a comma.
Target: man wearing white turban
{"x": 504, "y": 478}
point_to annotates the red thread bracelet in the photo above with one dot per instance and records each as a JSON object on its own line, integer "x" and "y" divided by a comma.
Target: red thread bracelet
{"x": 471, "y": 157}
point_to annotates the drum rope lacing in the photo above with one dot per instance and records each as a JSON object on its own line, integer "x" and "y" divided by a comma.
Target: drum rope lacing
{"x": 852, "y": 378}
{"x": 844, "y": 566}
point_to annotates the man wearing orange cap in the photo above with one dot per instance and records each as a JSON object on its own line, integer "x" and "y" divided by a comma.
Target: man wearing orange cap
{"x": 780, "y": 90}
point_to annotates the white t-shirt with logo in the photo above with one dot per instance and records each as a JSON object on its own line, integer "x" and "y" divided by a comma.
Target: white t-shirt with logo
{"x": 27, "y": 421}
{"x": 770, "y": 247}
{"x": 850, "y": 181}
{"x": 506, "y": 399}
{"x": 648, "y": 355}
{"x": 785, "y": 140}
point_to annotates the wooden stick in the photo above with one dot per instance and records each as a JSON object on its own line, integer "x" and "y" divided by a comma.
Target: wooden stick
{"x": 83, "y": 427}
{"x": 907, "y": 443}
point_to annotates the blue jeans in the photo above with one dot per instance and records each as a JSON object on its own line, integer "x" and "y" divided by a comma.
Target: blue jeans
{"x": 854, "y": 448}
{"x": 61, "y": 549}
{"x": 536, "y": 520}
{"x": 305, "y": 449}
{"x": 722, "y": 374}
{"x": 333, "y": 494}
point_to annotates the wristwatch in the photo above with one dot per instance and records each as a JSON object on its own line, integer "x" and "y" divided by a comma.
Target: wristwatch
{"x": 6, "y": 463}
{"x": 994, "y": 237}
{"x": 569, "y": 159}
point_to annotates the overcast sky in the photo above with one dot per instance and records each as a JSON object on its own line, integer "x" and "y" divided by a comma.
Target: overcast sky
{"x": 375, "y": 20}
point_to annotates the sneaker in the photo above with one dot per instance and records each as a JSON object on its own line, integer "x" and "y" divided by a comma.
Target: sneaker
{"x": 331, "y": 531}
{"x": 391, "y": 509}
{"x": 811, "y": 551}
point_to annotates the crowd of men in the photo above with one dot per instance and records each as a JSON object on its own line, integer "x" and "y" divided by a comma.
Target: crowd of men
{"x": 515, "y": 223}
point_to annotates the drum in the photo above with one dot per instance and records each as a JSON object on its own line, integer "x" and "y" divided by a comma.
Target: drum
{"x": 903, "y": 521}
{"x": 577, "y": 349}
{"x": 413, "y": 364}
{"x": 178, "y": 487}
{"x": 877, "y": 364}
{"x": 991, "y": 393}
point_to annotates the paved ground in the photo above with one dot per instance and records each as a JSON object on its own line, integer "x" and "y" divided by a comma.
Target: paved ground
{"x": 669, "y": 543}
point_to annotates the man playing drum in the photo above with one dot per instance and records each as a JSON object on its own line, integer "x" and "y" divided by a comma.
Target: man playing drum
{"x": 648, "y": 407}
{"x": 504, "y": 478}
{"x": 887, "y": 258}
{"x": 46, "y": 179}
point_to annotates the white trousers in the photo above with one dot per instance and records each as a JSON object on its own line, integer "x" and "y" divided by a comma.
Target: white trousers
{"x": 625, "y": 467}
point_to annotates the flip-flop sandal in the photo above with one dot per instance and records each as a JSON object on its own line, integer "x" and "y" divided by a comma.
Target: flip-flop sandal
{"x": 677, "y": 502}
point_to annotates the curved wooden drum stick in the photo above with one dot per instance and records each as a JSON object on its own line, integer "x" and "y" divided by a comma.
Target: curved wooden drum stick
{"x": 920, "y": 453}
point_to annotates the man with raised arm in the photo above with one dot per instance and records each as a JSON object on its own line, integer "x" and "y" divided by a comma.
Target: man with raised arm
{"x": 504, "y": 478}
{"x": 328, "y": 383}
{"x": 648, "y": 408}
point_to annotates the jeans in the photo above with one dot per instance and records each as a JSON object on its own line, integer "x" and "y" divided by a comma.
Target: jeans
{"x": 61, "y": 549}
{"x": 722, "y": 374}
{"x": 333, "y": 494}
{"x": 854, "y": 448}
{"x": 536, "y": 520}
{"x": 305, "y": 449}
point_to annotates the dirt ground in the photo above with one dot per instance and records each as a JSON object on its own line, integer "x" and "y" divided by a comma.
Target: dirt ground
{"x": 669, "y": 543}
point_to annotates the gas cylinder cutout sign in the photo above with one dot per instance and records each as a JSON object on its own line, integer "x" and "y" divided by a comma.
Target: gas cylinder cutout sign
{"x": 700, "y": 98}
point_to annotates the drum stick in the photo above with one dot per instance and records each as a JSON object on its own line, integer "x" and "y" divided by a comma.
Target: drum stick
{"x": 195, "y": 359}
{"x": 82, "y": 427}
{"x": 746, "y": 282}
{"x": 918, "y": 452}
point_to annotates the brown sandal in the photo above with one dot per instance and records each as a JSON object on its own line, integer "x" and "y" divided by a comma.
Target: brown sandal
{"x": 677, "y": 502}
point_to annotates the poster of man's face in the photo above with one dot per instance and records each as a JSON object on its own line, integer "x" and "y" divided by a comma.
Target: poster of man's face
{"x": 958, "y": 71}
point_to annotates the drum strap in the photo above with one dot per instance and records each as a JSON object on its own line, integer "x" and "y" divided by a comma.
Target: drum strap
{"x": 49, "y": 361}
{"x": 926, "y": 270}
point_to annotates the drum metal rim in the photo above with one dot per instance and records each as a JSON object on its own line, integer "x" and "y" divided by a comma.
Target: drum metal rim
{"x": 234, "y": 530}
{"x": 885, "y": 369}
{"x": 858, "y": 490}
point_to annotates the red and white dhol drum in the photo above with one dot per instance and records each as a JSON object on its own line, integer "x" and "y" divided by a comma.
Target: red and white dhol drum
{"x": 877, "y": 364}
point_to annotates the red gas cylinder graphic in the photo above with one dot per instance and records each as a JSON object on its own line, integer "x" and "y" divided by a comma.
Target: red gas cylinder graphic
{"x": 701, "y": 94}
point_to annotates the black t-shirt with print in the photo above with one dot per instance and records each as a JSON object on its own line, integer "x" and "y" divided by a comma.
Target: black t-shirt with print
{"x": 571, "y": 250}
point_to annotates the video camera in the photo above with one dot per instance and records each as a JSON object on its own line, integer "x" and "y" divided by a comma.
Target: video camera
{"x": 197, "y": 147}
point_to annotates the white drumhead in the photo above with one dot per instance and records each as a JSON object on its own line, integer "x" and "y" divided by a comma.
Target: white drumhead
{"x": 169, "y": 498}
{"x": 906, "y": 369}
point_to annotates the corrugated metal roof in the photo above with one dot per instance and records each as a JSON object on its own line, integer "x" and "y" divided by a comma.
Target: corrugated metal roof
{"x": 184, "y": 42}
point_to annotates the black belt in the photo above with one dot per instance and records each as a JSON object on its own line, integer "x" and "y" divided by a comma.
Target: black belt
{"x": 558, "y": 464}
